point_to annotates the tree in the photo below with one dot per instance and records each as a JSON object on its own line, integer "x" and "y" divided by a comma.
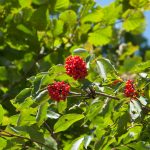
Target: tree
{"x": 71, "y": 77}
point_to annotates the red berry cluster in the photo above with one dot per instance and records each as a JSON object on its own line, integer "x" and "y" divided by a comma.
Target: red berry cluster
{"x": 58, "y": 90}
{"x": 76, "y": 67}
{"x": 130, "y": 90}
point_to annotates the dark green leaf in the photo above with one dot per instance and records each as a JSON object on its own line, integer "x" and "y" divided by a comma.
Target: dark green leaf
{"x": 3, "y": 73}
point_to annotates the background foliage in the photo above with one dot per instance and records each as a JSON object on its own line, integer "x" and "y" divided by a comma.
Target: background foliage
{"x": 35, "y": 38}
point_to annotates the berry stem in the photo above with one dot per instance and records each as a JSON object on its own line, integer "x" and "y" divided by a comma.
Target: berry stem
{"x": 106, "y": 95}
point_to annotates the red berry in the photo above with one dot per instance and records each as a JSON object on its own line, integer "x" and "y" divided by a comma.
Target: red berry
{"x": 58, "y": 90}
{"x": 129, "y": 90}
{"x": 75, "y": 67}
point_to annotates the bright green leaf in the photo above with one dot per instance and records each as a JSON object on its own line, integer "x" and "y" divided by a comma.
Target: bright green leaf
{"x": 41, "y": 114}
{"x": 141, "y": 67}
{"x": 24, "y": 29}
{"x": 1, "y": 113}
{"x": 25, "y": 3}
{"x": 133, "y": 19}
{"x": 62, "y": 105}
{"x": 23, "y": 95}
{"x": 61, "y": 5}
{"x": 69, "y": 17}
{"x": 101, "y": 36}
{"x": 66, "y": 121}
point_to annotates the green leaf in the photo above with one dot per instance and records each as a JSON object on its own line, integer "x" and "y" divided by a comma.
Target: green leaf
{"x": 42, "y": 97}
{"x": 1, "y": 113}
{"x": 141, "y": 67}
{"x": 143, "y": 100}
{"x": 101, "y": 36}
{"x": 81, "y": 52}
{"x": 69, "y": 17}
{"x": 3, "y": 73}
{"x": 42, "y": 113}
{"x": 135, "y": 109}
{"x": 133, "y": 19}
{"x": 95, "y": 16}
{"x": 61, "y": 5}
{"x": 25, "y": 118}
{"x": 3, "y": 143}
{"x": 130, "y": 64}
{"x": 24, "y": 105}
{"x": 142, "y": 145}
{"x": 66, "y": 121}
{"x": 52, "y": 115}
{"x": 24, "y": 29}
{"x": 58, "y": 27}
{"x": 93, "y": 110}
{"x": 132, "y": 135}
{"x": 104, "y": 67}
{"x": 39, "y": 2}
{"x": 62, "y": 105}
{"x": 128, "y": 50}
{"x": 40, "y": 18}
{"x": 87, "y": 140}
{"x": 138, "y": 3}
{"x": 76, "y": 143}
{"x": 23, "y": 95}
{"x": 25, "y": 3}
{"x": 37, "y": 83}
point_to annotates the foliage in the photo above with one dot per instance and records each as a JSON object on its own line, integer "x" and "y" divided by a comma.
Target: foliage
{"x": 36, "y": 36}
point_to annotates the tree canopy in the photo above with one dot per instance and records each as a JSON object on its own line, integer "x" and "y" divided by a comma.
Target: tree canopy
{"x": 98, "y": 100}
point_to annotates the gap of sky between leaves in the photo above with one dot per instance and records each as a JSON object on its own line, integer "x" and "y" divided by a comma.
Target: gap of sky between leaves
{"x": 147, "y": 15}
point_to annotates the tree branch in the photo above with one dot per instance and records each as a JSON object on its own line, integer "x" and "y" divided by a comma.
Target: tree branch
{"x": 106, "y": 95}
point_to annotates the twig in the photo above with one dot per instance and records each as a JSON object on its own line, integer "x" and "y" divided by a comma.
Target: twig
{"x": 8, "y": 134}
{"x": 51, "y": 132}
{"x": 106, "y": 95}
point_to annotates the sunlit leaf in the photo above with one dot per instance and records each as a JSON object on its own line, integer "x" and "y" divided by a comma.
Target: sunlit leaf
{"x": 66, "y": 120}
{"x": 1, "y": 114}
{"x": 42, "y": 113}
{"x": 101, "y": 36}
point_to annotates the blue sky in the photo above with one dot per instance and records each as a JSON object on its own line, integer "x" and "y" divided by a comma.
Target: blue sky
{"x": 147, "y": 15}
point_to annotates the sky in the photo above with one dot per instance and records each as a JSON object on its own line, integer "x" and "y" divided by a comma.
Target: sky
{"x": 147, "y": 15}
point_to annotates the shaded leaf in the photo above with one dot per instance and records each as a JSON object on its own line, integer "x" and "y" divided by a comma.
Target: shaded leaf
{"x": 3, "y": 73}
